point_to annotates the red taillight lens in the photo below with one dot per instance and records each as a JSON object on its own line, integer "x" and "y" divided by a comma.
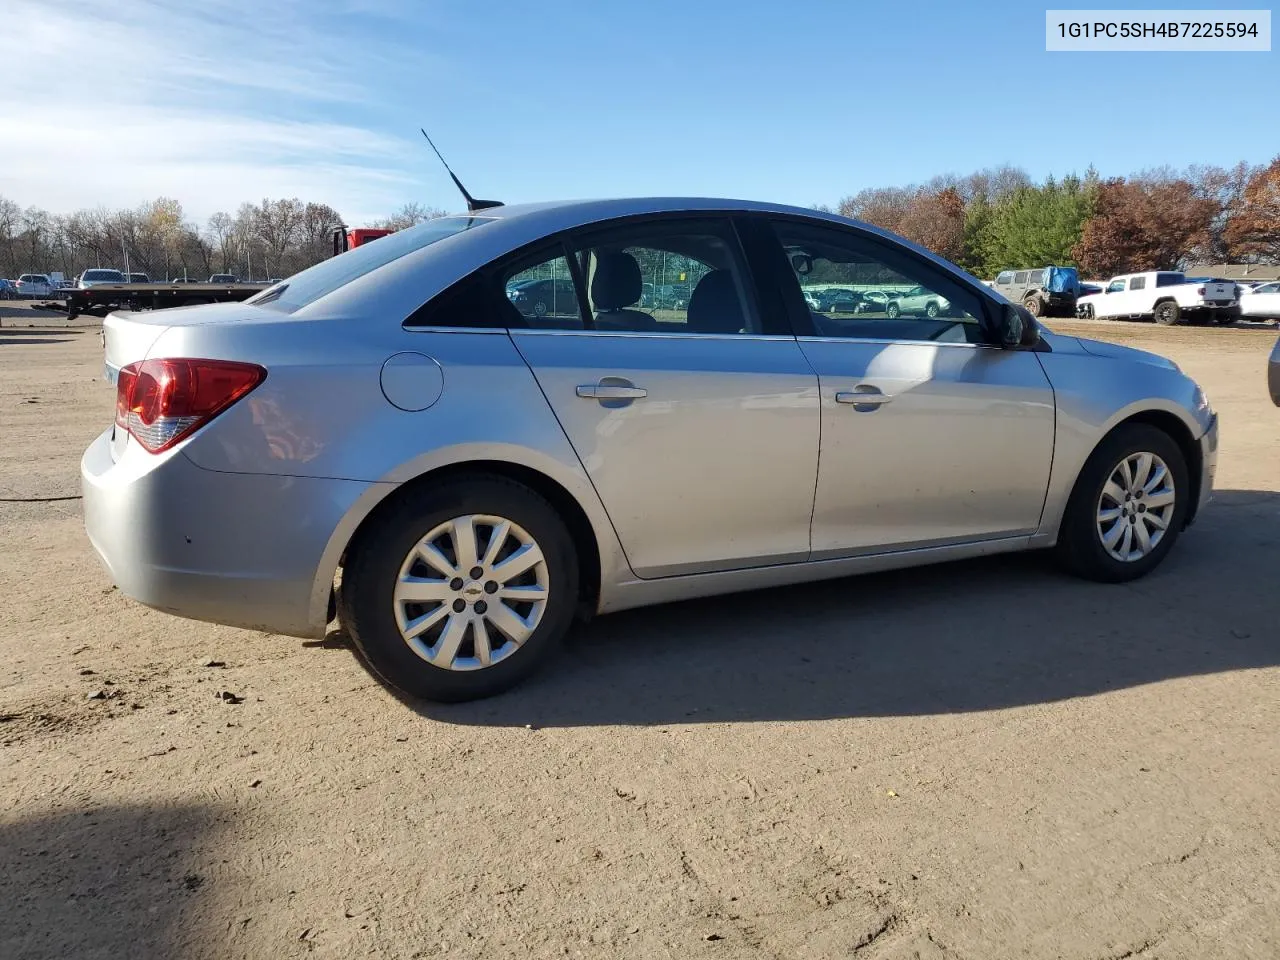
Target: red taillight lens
{"x": 162, "y": 401}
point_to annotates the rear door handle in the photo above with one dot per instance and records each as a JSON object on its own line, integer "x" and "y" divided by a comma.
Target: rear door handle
{"x": 863, "y": 393}
{"x": 611, "y": 391}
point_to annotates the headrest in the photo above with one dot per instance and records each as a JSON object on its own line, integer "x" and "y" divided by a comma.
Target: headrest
{"x": 714, "y": 306}
{"x": 617, "y": 282}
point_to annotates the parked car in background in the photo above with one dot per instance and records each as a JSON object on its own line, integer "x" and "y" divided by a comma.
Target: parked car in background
{"x": 480, "y": 481}
{"x": 224, "y": 278}
{"x": 1262, "y": 303}
{"x": 1165, "y": 296}
{"x": 838, "y": 300}
{"x": 139, "y": 278}
{"x": 1270, "y": 286}
{"x": 8, "y": 290}
{"x": 544, "y": 297}
{"x": 918, "y": 302}
{"x": 32, "y": 286}
{"x": 98, "y": 276}
{"x": 1045, "y": 291}
{"x": 875, "y": 301}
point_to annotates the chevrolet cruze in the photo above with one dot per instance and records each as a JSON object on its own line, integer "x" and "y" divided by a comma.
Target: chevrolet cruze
{"x": 388, "y": 440}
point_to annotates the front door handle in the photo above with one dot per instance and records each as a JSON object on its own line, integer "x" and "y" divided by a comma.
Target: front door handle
{"x": 863, "y": 394}
{"x": 611, "y": 391}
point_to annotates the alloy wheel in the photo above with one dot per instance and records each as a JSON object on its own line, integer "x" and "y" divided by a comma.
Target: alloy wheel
{"x": 1136, "y": 506}
{"x": 471, "y": 592}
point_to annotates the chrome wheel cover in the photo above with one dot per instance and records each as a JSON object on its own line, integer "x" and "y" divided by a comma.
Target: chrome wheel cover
{"x": 471, "y": 592}
{"x": 1136, "y": 507}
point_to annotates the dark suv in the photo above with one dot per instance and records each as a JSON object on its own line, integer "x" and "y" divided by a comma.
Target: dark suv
{"x": 1045, "y": 291}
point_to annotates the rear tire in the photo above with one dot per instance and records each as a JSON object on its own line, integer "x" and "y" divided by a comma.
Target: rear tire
{"x": 1081, "y": 548}
{"x": 1167, "y": 313}
{"x": 387, "y": 554}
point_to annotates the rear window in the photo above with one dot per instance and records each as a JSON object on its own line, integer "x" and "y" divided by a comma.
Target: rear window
{"x": 1169, "y": 279}
{"x": 104, "y": 275}
{"x": 311, "y": 284}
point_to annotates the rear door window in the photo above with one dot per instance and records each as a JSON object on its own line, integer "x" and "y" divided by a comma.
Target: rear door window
{"x": 1138, "y": 283}
{"x": 695, "y": 268}
{"x": 1020, "y": 277}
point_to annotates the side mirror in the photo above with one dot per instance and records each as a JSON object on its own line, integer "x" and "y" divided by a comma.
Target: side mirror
{"x": 1017, "y": 327}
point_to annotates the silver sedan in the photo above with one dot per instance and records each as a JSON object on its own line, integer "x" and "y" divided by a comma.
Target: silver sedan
{"x": 474, "y": 477}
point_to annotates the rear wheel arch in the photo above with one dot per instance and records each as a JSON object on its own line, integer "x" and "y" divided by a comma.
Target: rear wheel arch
{"x": 564, "y": 503}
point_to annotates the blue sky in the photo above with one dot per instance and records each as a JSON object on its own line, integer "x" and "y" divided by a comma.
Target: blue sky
{"x": 219, "y": 101}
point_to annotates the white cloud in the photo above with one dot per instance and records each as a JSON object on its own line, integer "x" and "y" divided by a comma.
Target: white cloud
{"x": 113, "y": 102}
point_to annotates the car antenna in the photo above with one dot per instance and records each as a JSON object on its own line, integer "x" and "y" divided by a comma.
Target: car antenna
{"x": 472, "y": 203}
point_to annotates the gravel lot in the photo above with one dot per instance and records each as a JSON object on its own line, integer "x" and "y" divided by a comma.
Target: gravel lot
{"x": 982, "y": 760}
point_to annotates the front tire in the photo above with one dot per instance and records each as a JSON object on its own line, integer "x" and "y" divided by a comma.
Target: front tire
{"x": 1034, "y": 306}
{"x": 462, "y": 591}
{"x": 1128, "y": 506}
{"x": 892, "y": 311}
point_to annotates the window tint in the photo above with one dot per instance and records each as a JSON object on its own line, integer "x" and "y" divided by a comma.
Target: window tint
{"x": 1169, "y": 279}
{"x": 544, "y": 294}
{"x": 882, "y": 292}
{"x": 1035, "y": 276}
{"x": 1115, "y": 286}
{"x": 1138, "y": 283}
{"x": 1020, "y": 277}
{"x": 667, "y": 277}
{"x": 1006, "y": 277}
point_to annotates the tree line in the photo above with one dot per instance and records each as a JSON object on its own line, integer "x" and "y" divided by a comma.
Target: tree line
{"x": 987, "y": 221}
{"x": 275, "y": 238}
{"x": 999, "y": 219}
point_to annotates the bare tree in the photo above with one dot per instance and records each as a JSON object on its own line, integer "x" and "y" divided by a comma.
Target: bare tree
{"x": 409, "y": 215}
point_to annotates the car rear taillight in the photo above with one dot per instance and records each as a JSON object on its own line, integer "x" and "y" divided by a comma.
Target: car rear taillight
{"x": 162, "y": 401}
{"x": 1200, "y": 291}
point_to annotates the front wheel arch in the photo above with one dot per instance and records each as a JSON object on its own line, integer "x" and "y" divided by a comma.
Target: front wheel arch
{"x": 1177, "y": 430}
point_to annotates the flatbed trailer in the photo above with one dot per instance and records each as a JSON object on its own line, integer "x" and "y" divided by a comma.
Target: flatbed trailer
{"x": 156, "y": 296}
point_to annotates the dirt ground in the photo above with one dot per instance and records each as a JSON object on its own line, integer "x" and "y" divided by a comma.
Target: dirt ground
{"x": 980, "y": 761}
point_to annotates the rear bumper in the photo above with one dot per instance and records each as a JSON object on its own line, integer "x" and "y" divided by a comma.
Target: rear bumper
{"x": 230, "y": 548}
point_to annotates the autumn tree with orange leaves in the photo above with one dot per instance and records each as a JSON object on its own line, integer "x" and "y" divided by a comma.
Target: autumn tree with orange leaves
{"x": 1253, "y": 232}
{"x": 1144, "y": 224}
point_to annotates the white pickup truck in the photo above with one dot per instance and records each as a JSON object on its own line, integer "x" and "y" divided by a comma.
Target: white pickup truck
{"x": 1164, "y": 295}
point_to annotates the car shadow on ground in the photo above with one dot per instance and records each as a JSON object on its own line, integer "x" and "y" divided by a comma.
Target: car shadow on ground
{"x": 978, "y": 635}
{"x": 108, "y": 882}
{"x": 29, "y": 341}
